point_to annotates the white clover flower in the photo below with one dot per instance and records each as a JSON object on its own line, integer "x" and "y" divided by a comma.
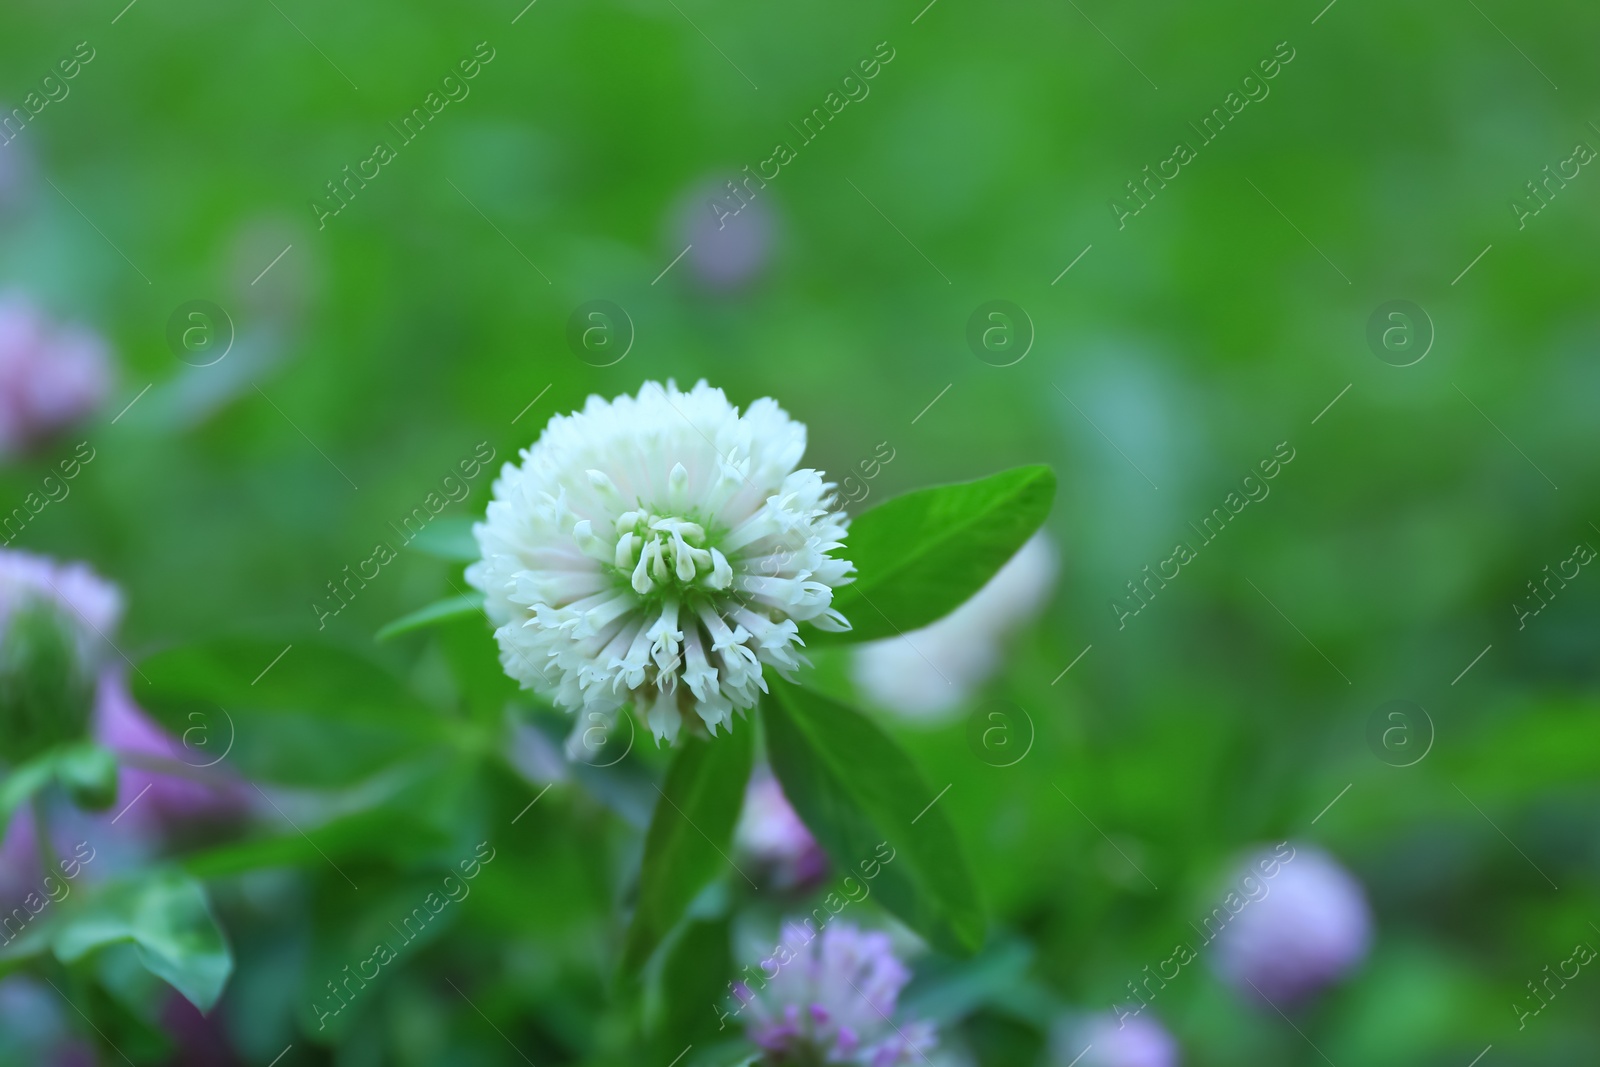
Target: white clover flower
{"x": 658, "y": 550}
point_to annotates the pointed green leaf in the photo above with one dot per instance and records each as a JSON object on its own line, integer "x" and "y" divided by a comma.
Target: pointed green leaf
{"x": 690, "y": 835}
{"x": 862, "y": 797}
{"x": 440, "y": 611}
{"x": 695, "y": 976}
{"x": 921, "y": 555}
{"x": 166, "y": 916}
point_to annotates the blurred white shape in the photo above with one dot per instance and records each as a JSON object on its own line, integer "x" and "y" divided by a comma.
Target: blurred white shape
{"x": 966, "y": 646}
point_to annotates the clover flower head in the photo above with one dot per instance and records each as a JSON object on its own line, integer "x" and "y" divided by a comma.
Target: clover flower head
{"x": 660, "y": 551}
{"x": 50, "y": 375}
{"x": 771, "y": 832}
{"x": 1309, "y": 930}
{"x": 833, "y": 1001}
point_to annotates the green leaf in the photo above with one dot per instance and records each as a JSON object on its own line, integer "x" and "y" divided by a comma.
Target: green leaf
{"x": 20, "y": 784}
{"x": 449, "y": 539}
{"x": 166, "y": 916}
{"x": 694, "y": 986}
{"x": 312, "y": 714}
{"x": 86, "y": 770}
{"x": 862, "y": 797}
{"x": 690, "y": 835}
{"x": 921, "y": 555}
{"x": 440, "y": 611}
{"x": 89, "y": 773}
{"x": 399, "y": 818}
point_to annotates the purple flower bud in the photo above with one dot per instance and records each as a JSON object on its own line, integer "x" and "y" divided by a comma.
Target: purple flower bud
{"x": 53, "y": 625}
{"x": 1310, "y": 928}
{"x": 87, "y": 599}
{"x": 729, "y": 223}
{"x": 772, "y": 834}
{"x": 848, "y": 983}
{"x": 1115, "y": 1040}
{"x": 50, "y": 375}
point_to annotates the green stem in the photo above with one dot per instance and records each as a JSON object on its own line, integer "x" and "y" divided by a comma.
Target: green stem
{"x": 41, "y": 834}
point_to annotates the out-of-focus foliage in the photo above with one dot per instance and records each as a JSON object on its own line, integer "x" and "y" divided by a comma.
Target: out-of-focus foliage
{"x": 1406, "y": 529}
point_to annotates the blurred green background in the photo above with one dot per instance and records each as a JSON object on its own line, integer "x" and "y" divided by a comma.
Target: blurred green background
{"x": 434, "y": 310}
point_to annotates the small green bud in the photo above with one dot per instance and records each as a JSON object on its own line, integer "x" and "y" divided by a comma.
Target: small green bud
{"x": 89, "y": 773}
{"x": 46, "y": 684}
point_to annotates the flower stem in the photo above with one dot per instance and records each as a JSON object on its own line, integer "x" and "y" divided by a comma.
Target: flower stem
{"x": 41, "y": 834}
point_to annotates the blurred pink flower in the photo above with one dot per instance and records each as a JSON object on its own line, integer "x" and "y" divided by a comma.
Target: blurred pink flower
{"x": 1311, "y": 928}
{"x": 770, "y": 832}
{"x": 88, "y": 600}
{"x": 730, "y": 248}
{"x": 124, "y": 728}
{"x": 50, "y": 374}
{"x": 93, "y": 607}
{"x": 1106, "y": 1041}
{"x": 54, "y": 621}
{"x": 834, "y": 1002}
